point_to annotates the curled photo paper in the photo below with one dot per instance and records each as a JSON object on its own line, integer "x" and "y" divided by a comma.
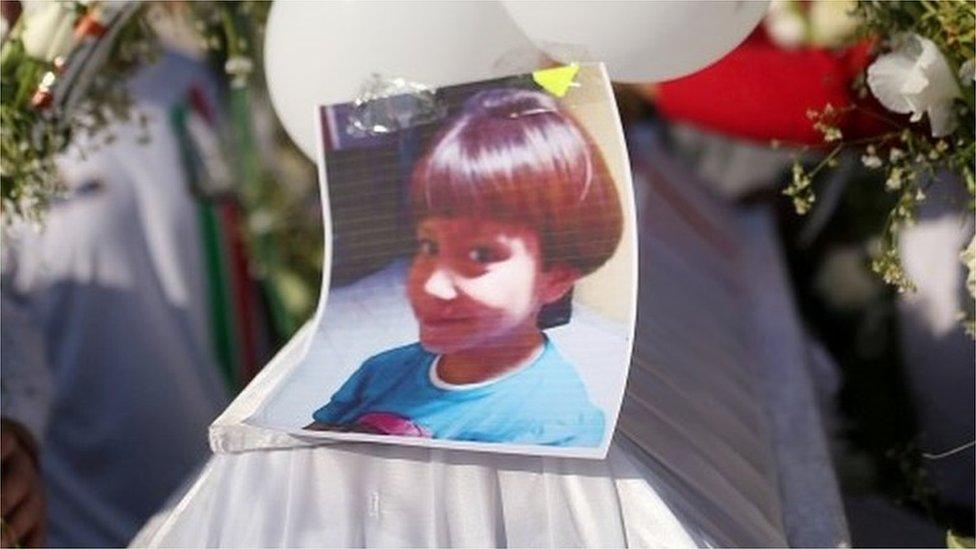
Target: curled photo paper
{"x": 480, "y": 270}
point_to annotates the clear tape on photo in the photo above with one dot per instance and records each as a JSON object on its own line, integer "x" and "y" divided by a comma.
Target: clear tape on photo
{"x": 388, "y": 104}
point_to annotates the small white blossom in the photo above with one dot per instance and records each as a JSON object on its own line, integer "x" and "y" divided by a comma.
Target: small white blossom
{"x": 48, "y": 80}
{"x": 916, "y": 79}
{"x": 871, "y": 161}
{"x": 48, "y": 29}
{"x": 895, "y": 154}
{"x": 894, "y": 179}
{"x": 832, "y": 133}
{"x": 239, "y": 64}
{"x": 800, "y": 178}
{"x": 239, "y": 67}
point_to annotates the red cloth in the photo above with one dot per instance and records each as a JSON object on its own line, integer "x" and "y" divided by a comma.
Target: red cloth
{"x": 763, "y": 92}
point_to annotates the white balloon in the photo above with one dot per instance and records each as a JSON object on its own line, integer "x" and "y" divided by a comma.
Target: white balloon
{"x": 639, "y": 41}
{"x": 319, "y": 53}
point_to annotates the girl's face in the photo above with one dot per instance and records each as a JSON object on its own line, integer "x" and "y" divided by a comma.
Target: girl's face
{"x": 475, "y": 283}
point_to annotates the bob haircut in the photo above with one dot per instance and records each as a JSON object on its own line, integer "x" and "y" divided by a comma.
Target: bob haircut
{"x": 515, "y": 155}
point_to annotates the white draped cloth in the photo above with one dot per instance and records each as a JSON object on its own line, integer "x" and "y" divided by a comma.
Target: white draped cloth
{"x": 718, "y": 442}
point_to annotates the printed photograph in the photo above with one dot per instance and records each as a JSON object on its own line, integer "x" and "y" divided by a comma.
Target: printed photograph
{"x": 482, "y": 270}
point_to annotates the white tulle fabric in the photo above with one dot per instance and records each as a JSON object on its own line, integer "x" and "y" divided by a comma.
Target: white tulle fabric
{"x": 384, "y": 496}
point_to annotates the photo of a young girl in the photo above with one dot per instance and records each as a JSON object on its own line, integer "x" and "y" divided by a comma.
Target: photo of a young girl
{"x": 511, "y": 205}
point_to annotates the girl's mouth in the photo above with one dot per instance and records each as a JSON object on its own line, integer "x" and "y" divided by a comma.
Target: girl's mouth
{"x": 444, "y": 321}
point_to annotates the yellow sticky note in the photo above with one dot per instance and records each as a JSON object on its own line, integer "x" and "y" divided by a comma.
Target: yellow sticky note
{"x": 558, "y": 80}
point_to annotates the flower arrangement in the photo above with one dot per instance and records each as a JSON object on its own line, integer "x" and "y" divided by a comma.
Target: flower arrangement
{"x": 63, "y": 67}
{"x": 60, "y": 65}
{"x": 923, "y": 79}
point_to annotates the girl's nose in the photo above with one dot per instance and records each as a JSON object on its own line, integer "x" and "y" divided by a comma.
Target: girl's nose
{"x": 441, "y": 285}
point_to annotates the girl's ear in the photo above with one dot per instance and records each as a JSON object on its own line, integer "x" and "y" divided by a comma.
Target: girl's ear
{"x": 556, "y": 281}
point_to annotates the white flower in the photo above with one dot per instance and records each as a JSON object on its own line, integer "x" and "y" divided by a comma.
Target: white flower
{"x": 870, "y": 158}
{"x": 48, "y": 29}
{"x": 785, "y": 23}
{"x": 871, "y": 161}
{"x": 832, "y": 23}
{"x": 916, "y": 79}
{"x": 239, "y": 67}
{"x": 893, "y": 183}
{"x": 239, "y": 64}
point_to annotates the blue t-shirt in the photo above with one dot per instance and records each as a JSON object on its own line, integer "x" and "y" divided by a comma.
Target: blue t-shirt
{"x": 542, "y": 403}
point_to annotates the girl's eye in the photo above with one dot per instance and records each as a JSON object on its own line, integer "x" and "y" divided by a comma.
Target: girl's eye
{"x": 482, "y": 254}
{"x": 426, "y": 247}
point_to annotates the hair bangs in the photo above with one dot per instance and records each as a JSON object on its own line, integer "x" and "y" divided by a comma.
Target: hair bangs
{"x": 515, "y": 155}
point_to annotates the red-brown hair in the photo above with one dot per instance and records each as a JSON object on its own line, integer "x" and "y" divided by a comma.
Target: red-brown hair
{"x": 514, "y": 154}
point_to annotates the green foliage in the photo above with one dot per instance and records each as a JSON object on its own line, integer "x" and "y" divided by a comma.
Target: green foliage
{"x": 31, "y": 136}
{"x": 275, "y": 187}
{"x": 951, "y": 24}
{"x": 908, "y": 160}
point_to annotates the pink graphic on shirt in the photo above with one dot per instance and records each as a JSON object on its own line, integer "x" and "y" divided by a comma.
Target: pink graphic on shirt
{"x": 386, "y": 423}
